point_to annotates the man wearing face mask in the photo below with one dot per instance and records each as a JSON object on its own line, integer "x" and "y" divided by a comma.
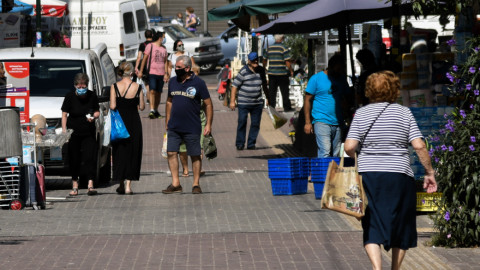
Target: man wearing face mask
{"x": 249, "y": 82}
{"x": 185, "y": 92}
{"x": 79, "y": 110}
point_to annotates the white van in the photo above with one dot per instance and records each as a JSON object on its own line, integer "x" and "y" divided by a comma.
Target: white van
{"x": 52, "y": 71}
{"x": 119, "y": 23}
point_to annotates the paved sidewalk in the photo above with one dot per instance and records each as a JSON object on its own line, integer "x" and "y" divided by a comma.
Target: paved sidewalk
{"x": 235, "y": 224}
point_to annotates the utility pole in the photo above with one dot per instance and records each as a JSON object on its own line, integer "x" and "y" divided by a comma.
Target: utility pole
{"x": 38, "y": 10}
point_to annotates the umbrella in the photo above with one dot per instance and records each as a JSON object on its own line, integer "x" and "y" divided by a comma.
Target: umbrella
{"x": 327, "y": 14}
{"x": 20, "y": 7}
{"x": 254, "y": 7}
{"x": 50, "y": 8}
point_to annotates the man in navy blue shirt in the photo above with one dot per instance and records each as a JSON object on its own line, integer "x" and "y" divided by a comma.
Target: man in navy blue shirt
{"x": 185, "y": 92}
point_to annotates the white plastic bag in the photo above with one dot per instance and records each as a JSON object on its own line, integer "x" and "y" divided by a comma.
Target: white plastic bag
{"x": 107, "y": 128}
{"x": 142, "y": 84}
{"x": 277, "y": 119}
{"x": 164, "y": 146}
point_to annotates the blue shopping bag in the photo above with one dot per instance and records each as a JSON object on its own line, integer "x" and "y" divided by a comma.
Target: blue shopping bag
{"x": 119, "y": 131}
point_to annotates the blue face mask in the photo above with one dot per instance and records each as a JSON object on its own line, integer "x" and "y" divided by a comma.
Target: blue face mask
{"x": 81, "y": 91}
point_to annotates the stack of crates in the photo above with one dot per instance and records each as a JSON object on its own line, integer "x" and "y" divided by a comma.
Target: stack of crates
{"x": 289, "y": 176}
{"x": 318, "y": 172}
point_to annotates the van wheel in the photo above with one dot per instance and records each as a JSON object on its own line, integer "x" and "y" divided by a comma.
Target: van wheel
{"x": 208, "y": 67}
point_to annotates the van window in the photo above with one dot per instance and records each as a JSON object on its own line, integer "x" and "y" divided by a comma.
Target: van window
{"x": 141, "y": 20}
{"x": 128, "y": 23}
{"x": 52, "y": 78}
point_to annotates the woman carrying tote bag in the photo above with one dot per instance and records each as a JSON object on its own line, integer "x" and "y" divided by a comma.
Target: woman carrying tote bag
{"x": 384, "y": 164}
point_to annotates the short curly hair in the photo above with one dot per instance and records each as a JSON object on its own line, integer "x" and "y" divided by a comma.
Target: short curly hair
{"x": 382, "y": 86}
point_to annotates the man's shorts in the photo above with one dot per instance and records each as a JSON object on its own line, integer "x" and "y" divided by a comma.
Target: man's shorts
{"x": 192, "y": 141}
{"x": 155, "y": 82}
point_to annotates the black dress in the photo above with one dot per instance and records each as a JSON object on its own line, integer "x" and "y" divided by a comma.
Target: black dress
{"x": 127, "y": 153}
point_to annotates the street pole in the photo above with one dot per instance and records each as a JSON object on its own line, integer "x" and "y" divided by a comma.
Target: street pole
{"x": 81, "y": 24}
{"x": 205, "y": 17}
{"x": 38, "y": 17}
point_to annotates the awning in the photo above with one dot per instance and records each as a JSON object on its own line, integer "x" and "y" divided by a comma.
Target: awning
{"x": 19, "y": 7}
{"x": 50, "y": 8}
{"x": 327, "y": 14}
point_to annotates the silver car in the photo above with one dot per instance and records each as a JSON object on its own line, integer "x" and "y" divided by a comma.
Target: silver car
{"x": 206, "y": 51}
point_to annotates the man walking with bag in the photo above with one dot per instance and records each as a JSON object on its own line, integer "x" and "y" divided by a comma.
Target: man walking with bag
{"x": 185, "y": 92}
{"x": 249, "y": 83}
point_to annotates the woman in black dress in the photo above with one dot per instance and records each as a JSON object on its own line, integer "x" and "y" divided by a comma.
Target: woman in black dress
{"x": 79, "y": 110}
{"x": 127, "y": 97}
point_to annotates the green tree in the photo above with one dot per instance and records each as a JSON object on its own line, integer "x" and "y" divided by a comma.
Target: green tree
{"x": 297, "y": 44}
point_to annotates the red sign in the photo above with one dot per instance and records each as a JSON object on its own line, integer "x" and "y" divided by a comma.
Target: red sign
{"x": 17, "y": 97}
{"x": 17, "y": 70}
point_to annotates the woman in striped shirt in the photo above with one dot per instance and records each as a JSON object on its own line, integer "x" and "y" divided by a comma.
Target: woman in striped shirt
{"x": 384, "y": 130}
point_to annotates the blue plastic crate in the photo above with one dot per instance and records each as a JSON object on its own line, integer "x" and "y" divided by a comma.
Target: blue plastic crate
{"x": 289, "y": 186}
{"x": 318, "y": 187}
{"x": 288, "y": 168}
{"x": 319, "y": 168}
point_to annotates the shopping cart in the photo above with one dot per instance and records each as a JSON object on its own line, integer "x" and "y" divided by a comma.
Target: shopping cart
{"x": 10, "y": 183}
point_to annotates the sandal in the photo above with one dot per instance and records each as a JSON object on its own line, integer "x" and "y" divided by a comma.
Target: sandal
{"x": 185, "y": 175}
{"x": 91, "y": 191}
{"x": 120, "y": 191}
{"x": 73, "y": 193}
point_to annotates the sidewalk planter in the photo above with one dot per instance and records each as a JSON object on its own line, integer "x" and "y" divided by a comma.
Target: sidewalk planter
{"x": 288, "y": 168}
{"x": 289, "y": 186}
{"x": 426, "y": 202}
{"x": 289, "y": 176}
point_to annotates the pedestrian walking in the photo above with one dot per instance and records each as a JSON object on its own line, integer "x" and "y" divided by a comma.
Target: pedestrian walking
{"x": 324, "y": 95}
{"x": 179, "y": 50}
{"x": 369, "y": 66}
{"x": 140, "y": 56}
{"x": 191, "y": 20}
{"x": 279, "y": 70}
{"x": 156, "y": 57}
{"x": 382, "y": 131}
{"x": 79, "y": 110}
{"x": 185, "y": 92}
{"x": 249, "y": 82}
{"x": 127, "y": 98}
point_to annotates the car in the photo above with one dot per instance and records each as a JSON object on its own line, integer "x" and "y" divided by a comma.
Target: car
{"x": 229, "y": 43}
{"x": 206, "y": 51}
{"x": 52, "y": 70}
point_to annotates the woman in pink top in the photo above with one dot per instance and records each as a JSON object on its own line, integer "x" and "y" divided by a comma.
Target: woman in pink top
{"x": 155, "y": 63}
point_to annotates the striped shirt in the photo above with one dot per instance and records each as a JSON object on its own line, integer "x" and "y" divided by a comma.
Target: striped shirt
{"x": 386, "y": 146}
{"x": 249, "y": 85}
{"x": 277, "y": 54}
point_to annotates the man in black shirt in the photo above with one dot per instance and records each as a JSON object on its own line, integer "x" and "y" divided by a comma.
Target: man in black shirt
{"x": 141, "y": 51}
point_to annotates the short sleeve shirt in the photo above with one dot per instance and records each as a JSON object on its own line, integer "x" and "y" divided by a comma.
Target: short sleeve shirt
{"x": 323, "y": 109}
{"x": 385, "y": 147}
{"x": 77, "y": 109}
{"x": 186, "y": 104}
{"x": 142, "y": 46}
{"x": 249, "y": 85}
{"x": 277, "y": 54}
{"x": 157, "y": 59}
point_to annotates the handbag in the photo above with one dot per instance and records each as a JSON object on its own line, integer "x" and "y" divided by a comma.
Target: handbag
{"x": 119, "y": 130}
{"x": 277, "y": 119}
{"x": 343, "y": 191}
{"x": 107, "y": 128}
{"x": 209, "y": 147}
{"x": 164, "y": 146}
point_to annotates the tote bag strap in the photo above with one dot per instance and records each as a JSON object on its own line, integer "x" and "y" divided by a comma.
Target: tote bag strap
{"x": 366, "y": 133}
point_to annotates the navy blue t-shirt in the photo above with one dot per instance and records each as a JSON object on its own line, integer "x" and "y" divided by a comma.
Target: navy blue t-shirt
{"x": 186, "y": 101}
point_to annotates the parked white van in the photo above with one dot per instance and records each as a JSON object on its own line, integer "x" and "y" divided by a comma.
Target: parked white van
{"x": 119, "y": 23}
{"x": 52, "y": 71}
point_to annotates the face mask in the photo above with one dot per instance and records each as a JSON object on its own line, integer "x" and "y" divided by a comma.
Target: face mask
{"x": 180, "y": 74}
{"x": 81, "y": 91}
{"x": 180, "y": 48}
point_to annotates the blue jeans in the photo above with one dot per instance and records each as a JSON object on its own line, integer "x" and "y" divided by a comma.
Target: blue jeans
{"x": 255, "y": 117}
{"x": 328, "y": 139}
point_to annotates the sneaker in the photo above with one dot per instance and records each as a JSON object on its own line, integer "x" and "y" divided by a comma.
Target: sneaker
{"x": 151, "y": 115}
{"x": 171, "y": 189}
{"x": 158, "y": 115}
{"x": 196, "y": 190}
